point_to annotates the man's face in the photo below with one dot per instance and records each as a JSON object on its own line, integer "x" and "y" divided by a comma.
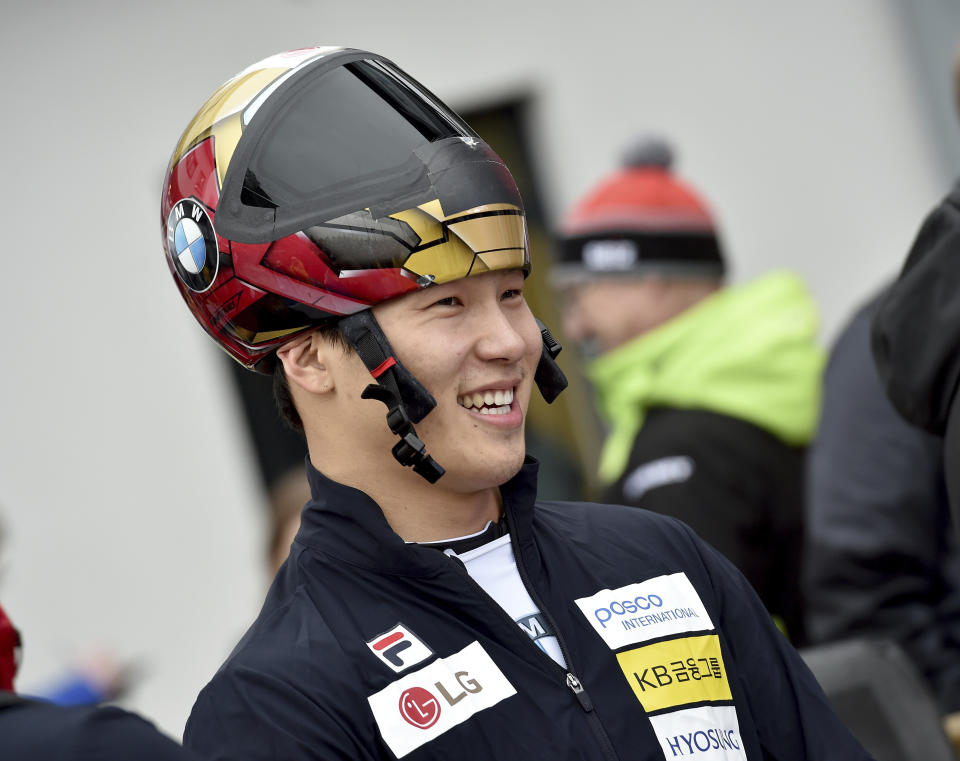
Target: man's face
{"x": 474, "y": 345}
{"x": 604, "y": 314}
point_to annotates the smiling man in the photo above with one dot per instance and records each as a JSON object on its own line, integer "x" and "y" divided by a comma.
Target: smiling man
{"x": 329, "y": 221}
{"x": 474, "y": 343}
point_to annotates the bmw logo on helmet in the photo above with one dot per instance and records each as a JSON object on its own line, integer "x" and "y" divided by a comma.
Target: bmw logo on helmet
{"x": 192, "y": 244}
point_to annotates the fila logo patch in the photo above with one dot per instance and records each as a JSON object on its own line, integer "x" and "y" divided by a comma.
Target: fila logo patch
{"x": 421, "y": 706}
{"x": 399, "y": 648}
{"x": 676, "y": 672}
{"x": 707, "y": 733}
{"x": 650, "y": 609}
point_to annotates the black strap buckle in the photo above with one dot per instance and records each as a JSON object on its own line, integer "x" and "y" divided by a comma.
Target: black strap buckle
{"x": 548, "y": 376}
{"x": 409, "y": 451}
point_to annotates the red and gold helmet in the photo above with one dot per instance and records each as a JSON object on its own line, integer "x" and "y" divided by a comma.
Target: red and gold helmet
{"x": 319, "y": 182}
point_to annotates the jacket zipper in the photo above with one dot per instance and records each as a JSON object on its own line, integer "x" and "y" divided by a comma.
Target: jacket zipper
{"x": 576, "y": 687}
{"x": 570, "y": 679}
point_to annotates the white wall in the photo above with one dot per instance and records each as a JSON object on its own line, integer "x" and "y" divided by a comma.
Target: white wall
{"x": 125, "y": 479}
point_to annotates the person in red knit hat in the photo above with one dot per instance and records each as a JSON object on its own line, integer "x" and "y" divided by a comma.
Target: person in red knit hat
{"x": 711, "y": 391}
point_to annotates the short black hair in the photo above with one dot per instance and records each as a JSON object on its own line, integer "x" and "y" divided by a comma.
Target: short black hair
{"x": 281, "y": 386}
{"x": 284, "y": 400}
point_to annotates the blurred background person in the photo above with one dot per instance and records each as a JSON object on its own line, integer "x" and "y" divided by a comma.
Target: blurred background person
{"x": 711, "y": 391}
{"x": 915, "y": 333}
{"x": 36, "y": 730}
{"x": 93, "y": 676}
{"x": 881, "y": 557}
{"x": 286, "y": 500}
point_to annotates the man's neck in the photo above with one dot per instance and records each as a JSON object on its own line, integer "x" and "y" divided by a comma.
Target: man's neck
{"x": 416, "y": 510}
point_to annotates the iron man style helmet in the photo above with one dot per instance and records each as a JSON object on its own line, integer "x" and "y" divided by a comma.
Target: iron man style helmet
{"x": 319, "y": 182}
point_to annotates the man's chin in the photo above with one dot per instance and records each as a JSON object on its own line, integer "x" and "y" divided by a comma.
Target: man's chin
{"x": 479, "y": 475}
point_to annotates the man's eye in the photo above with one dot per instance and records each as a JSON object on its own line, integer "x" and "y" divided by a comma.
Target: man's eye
{"x": 511, "y": 293}
{"x": 449, "y": 301}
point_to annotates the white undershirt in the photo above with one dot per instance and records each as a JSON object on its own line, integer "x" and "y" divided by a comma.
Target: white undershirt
{"x": 494, "y": 568}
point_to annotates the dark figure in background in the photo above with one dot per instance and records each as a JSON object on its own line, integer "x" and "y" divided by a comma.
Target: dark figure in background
{"x": 711, "y": 391}
{"x": 882, "y": 559}
{"x": 33, "y": 730}
{"x": 915, "y": 334}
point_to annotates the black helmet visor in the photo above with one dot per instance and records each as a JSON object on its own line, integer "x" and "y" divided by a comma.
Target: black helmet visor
{"x": 347, "y": 133}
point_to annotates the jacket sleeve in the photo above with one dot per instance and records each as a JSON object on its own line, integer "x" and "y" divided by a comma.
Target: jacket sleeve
{"x": 248, "y": 715}
{"x": 793, "y": 719}
{"x": 879, "y": 560}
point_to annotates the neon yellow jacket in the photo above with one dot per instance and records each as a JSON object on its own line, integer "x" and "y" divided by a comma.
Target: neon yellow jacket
{"x": 747, "y": 351}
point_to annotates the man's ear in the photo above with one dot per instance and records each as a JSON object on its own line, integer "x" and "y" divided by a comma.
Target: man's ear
{"x": 305, "y": 363}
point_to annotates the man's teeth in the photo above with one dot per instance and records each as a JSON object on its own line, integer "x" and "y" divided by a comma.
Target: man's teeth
{"x": 488, "y": 402}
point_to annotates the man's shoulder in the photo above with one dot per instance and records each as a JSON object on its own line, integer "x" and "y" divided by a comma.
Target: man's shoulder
{"x": 582, "y": 514}
{"x": 294, "y": 619}
{"x": 625, "y": 544}
{"x": 610, "y": 526}
{"x": 273, "y": 670}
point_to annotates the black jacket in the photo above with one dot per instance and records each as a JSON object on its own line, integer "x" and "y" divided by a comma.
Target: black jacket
{"x": 370, "y": 648}
{"x": 916, "y": 335}
{"x": 882, "y": 556}
{"x": 737, "y": 486}
{"x": 31, "y": 730}
{"x": 916, "y": 328}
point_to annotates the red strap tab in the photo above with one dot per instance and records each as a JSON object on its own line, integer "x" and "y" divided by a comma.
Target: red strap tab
{"x": 383, "y": 367}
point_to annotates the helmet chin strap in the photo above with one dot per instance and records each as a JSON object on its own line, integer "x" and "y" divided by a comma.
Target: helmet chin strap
{"x": 409, "y": 451}
{"x": 549, "y": 377}
{"x": 406, "y": 399}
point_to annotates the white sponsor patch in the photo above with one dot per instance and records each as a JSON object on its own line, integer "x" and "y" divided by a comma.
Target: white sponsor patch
{"x": 399, "y": 648}
{"x": 639, "y": 612}
{"x": 423, "y": 705}
{"x": 710, "y": 733}
{"x": 662, "y": 472}
{"x": 601, "y": 255}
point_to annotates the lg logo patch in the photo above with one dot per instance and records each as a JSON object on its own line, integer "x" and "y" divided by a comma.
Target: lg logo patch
{"x": 399, "y": 648}
{"x": 419, "y": 708}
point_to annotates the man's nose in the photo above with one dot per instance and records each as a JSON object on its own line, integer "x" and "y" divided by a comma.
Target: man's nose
{"x": 500, "y": 337}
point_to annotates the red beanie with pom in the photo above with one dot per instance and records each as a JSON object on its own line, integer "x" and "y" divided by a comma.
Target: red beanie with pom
{"x": 640, "y": 220}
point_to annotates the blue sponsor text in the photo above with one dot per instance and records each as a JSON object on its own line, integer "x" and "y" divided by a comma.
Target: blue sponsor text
{"x": 703, "y": 740}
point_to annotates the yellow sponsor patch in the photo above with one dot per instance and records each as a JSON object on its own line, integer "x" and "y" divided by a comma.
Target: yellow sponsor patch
{"x": 677, "y": 672}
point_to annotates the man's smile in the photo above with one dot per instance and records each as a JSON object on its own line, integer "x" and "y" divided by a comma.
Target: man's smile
{"x": 488, "y": 402}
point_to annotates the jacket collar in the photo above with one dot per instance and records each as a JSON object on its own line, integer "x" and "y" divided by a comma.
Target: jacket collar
{"x": 346, "y": 524}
